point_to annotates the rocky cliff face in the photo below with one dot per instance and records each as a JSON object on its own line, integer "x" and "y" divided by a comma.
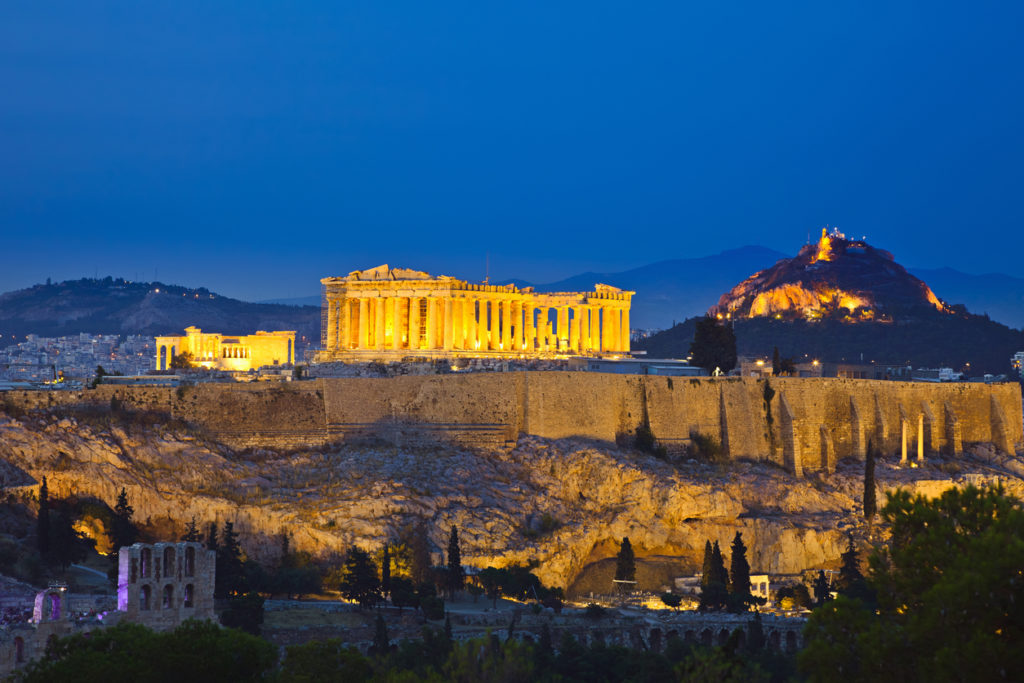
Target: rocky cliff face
{"x": 329, "y": 499}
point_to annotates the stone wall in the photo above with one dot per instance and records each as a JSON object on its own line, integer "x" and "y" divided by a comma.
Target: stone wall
{"x": 800, "y": 423}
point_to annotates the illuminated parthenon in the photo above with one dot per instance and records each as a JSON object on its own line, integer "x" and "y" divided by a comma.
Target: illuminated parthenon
{"x": 386, "y": 312}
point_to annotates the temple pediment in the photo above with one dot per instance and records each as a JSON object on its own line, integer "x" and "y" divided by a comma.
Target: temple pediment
{"x": 386, "y": 272}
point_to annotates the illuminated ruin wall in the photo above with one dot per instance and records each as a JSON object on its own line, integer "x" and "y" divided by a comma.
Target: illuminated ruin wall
{"x": 391, "y": 313}
{"x": 225, "y": 352}
{"x": 801, "y": 423}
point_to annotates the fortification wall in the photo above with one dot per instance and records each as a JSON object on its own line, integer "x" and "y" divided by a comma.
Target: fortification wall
{"x": 803, "y": 424}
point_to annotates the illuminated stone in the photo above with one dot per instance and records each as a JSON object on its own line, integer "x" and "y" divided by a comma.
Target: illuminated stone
{"x": 222, "y": 352}
{"x": 390, "y": 313}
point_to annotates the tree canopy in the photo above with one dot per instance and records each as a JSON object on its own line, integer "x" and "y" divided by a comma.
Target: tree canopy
{"x": 714, "y": 345}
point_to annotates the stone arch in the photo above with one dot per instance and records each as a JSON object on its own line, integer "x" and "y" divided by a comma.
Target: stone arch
{"x": 741, "y": 638}
{"x": 169, "y": 561}
{"x": 690, "y": 636}
{"x": 705, "y": 637}
{"x": 654, "y": 638}
{"x": 168, "y": 597}
{"x": 189, "y": 595}
{"x": 19, "y": 650}
{"x": 54, "y": 610}
{"x": 190, "y": 561}
{"x": 161, "y": 358}
{"x": 723, "y": 636}
{"x": 790, "y": 642}
{"x": 775, "y": 640}
{"x": 146, "y": 563}
{"x": 145, "y": 595}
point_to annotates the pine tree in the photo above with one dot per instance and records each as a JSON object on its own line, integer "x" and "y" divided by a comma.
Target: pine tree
{"x": 420, "y": 564}
{"x": 66, "y": 548}
{"x": 718, "y": 569}
{"x": 740, "y": 597}
{"x": 385, "y": 570}
{"x": 191, "y": 534}
{"x": 123, "y": 529}
{"x": 870, "y": 505}
{"x": 360, "y": 582}
{"x": 625, "y": 565}
{"x": 456, "y": 574}
{"x": 705, "y": 576}
{"x": 776, "y": 361}
{"x": 230, "y": 571}
{"x": 851, "y": 580}
{"x": 43, "y": 520}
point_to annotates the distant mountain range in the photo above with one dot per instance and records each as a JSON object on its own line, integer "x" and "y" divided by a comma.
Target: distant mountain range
{"x": 116, "y": 306}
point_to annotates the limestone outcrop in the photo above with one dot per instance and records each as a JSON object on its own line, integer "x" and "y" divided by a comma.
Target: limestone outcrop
{"x": 590, "y": 494}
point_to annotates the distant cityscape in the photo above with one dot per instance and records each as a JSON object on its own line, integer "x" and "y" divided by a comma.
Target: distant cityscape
{"x": 43, "y": 359}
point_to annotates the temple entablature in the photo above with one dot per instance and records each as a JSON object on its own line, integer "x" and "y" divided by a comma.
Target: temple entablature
{"x": 391, "y": 313}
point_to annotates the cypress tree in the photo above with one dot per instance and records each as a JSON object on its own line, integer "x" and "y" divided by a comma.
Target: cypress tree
{"x": 211, "y": 537}
{"x": 230, "y": 573}
{"x": 776, "y": 361}
{"x": 870, "y": 505}
{"x": 851, "y": 580}
{"x": 705, "y": 576}
{"x": 715, "y": 593}
{"x": 43, "y": 520}
{"x": 65, "y": 545}
{"x": 456, "y": 574}
{"x": 740, "y": 570}
{"x": 385, "y": 570}
{"x": 625, "y": 562}
{"x": 756, "y": 640}
{"x": 821, "y": 589}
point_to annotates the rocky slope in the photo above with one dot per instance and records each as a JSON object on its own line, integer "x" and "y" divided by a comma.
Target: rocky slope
{"x": 329, "y": 499}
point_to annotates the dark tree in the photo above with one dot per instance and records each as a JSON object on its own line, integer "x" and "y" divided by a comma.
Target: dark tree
{"x": 705, "y": 576}
{"x": 714, "y": 594}
{"x": 123, "y": 531}
{"x": 776, "y": 361}
{"x": 870, "y": 505}
{"x": 385, "y": 570}
{"x": 456, "y": 575}
{"x": 852, "y": 582}
{"x": 381, "y": 644}
{"x": 822, "y": 591}
{"x": 43, "y": 520}
{"x": 625, "y": 565}
{"x": 714, "y": 345}
{"x": 181, "y": 361}
{"x": 672, "y": 600}
{"x": 191, "y": 534}
{"x": 417, "y": 539}
{"x": 492, "y": 580}
{"x": 230, "y": 573}
{"x": 211, "y": 537}
{"x": 755, "y": 641}
{"x": 740, "y": 598}
{"x": 360, "y": 581}
{"x": 67, "y": 546}
{"x": 403, "y": 593}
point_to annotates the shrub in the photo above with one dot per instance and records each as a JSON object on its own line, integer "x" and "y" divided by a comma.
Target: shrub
{"x": 707, "y": 448}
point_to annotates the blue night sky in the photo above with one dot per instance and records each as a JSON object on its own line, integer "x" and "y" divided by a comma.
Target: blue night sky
{"x": 257, "y": 148}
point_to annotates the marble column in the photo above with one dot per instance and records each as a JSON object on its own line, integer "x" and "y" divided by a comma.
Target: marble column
{"x": 332, "y": 320}
{"x": 379, "y": 322}
{"x": 449, "y": 323}
{"x": 624, "y": 332}
{"x": 431, "y": 323}
{"x": 363, "y": 341}
{"x": 414, "y": 322}
{"x": 574, "y": 330}
{"x": 506, "y": 325}
{"x": 458, "y": 335}
{"x": 517, "y": 322}
{"x": 563, "y": 328}
{"x": 494, "y": 324}
{"x": 396, "y": 322}
{"x": 471, "y": 335}
{"x": 345, "y": 334}
{"x": 529, "y": 329}
{"x": 903, "y": 438}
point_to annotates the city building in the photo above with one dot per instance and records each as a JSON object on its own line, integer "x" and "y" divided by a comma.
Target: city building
{"x": 1018, "y": 362}
{"x": 221, "y": 352}
{"x": 392, "y": 313}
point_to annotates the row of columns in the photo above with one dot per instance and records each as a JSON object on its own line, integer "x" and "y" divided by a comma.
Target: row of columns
{"x": 475, "y": 324}
{"x": 904, "y": 429}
